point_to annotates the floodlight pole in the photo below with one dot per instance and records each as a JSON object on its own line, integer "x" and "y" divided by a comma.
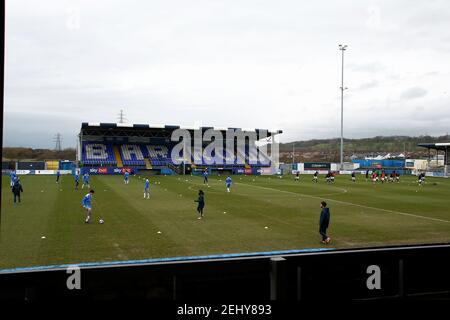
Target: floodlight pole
{"x": 184, "y": 157}
{"x": 342, "y": 48}
{"x": 293, "y": 153}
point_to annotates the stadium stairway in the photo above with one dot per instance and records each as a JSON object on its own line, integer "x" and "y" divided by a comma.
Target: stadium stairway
{"x": 117, "y": 155}
{"x": 174, "y": 168}
{"x": 148, "y": 165}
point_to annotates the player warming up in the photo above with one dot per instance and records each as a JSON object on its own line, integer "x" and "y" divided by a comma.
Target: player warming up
{"x": 353, "y": 177}
{"x": 297, "y": 176}
{"x": 324, "y": 222}
{"x": 201, "y": 203}
{"x": 13, "y": 177}
{"x": 391, "y": 177}
{"x": 383, "y": 176}
{"x": 17, "y": 189}
{"x": 374, "y": 177}
{"x": 316, "y": 177}
{"x": 205, "y": 176}
{"x": 421, "y": 178}
{"x": 86, "y": 181}
{"x": 87, "y": 205}
{"x": 228, "y": 183}
{"x": 77, "y": 180}
{"x": 146, "y": 189}
{"x": 126, "y": 177}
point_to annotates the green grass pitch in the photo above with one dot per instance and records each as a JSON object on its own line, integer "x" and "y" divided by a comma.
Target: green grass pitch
{"x": 260, "y": 214}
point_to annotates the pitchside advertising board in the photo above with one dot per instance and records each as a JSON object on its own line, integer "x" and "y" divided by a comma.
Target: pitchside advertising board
{"x": 250, "y": 171}
{"x": 319, "y": 166}
{"x": 108, "y": 170}
{"x": 42, "y": 172}
{"x": 245, "y": 171}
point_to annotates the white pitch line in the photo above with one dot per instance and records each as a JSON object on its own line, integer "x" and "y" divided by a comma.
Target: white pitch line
{"x": 331, "y": 194}
{"x": 353, "y": 204}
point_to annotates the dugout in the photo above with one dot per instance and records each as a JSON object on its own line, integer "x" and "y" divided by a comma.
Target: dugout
{"x": 439, "y": 148}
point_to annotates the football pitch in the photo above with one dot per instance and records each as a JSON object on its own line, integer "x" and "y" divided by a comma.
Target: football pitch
{"x": 261, "y": 213}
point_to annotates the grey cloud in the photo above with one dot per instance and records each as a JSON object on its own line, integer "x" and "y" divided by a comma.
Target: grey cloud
{"x": 38, "y": 130}
{"x": 414, "y": 93}
{"x": 220, "y": 64}
{"x": 370, "y": 67}
{"x": 368, "y": 85}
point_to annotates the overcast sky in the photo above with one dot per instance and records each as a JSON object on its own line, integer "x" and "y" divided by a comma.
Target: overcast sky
{"x": 250, "y": 64}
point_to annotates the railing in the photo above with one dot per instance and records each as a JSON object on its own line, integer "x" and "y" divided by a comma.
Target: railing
{"x": 413, "y": 272}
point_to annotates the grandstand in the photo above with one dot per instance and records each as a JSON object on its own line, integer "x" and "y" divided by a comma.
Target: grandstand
{"x": 445, "y": 147}
{"x": 115, "y": 147}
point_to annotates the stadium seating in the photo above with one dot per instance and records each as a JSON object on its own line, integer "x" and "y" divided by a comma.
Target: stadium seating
{"x": 132, "y": 155}
{"x": 159, "y": 155}
{"x": 97, "y": 154}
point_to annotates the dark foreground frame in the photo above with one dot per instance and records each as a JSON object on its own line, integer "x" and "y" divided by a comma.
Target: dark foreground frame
{"x": 412, "y": 272}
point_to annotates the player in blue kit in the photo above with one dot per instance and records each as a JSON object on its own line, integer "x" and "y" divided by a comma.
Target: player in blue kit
{"x": 87, "y": 205}
{"x": 146, "y": 189}
{"x": 86, "y": 181}
{"x": 228, "y": 182}
{"x": 126, "y": 177}
{"x": 13, "y": 177}
{"x": 58, "y": 174}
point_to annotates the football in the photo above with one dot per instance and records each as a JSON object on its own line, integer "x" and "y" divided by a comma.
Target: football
{"x": 101, "y": 221}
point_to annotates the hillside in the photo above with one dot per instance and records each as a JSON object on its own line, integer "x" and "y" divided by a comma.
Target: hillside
{"x": 328, "y": 149}
{"x": 37, "y": 154}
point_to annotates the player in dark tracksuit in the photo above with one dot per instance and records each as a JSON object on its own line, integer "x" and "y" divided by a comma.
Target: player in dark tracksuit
{"x": 316, "y": 176}
{"x": 324, "y": 222}
{"x": 77, "y": 180}
{"x": 16, "y": 190}
{"x": 205, "y": 176}
{"x": 201, "y": 203}
{"x": 57, "y": 176}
